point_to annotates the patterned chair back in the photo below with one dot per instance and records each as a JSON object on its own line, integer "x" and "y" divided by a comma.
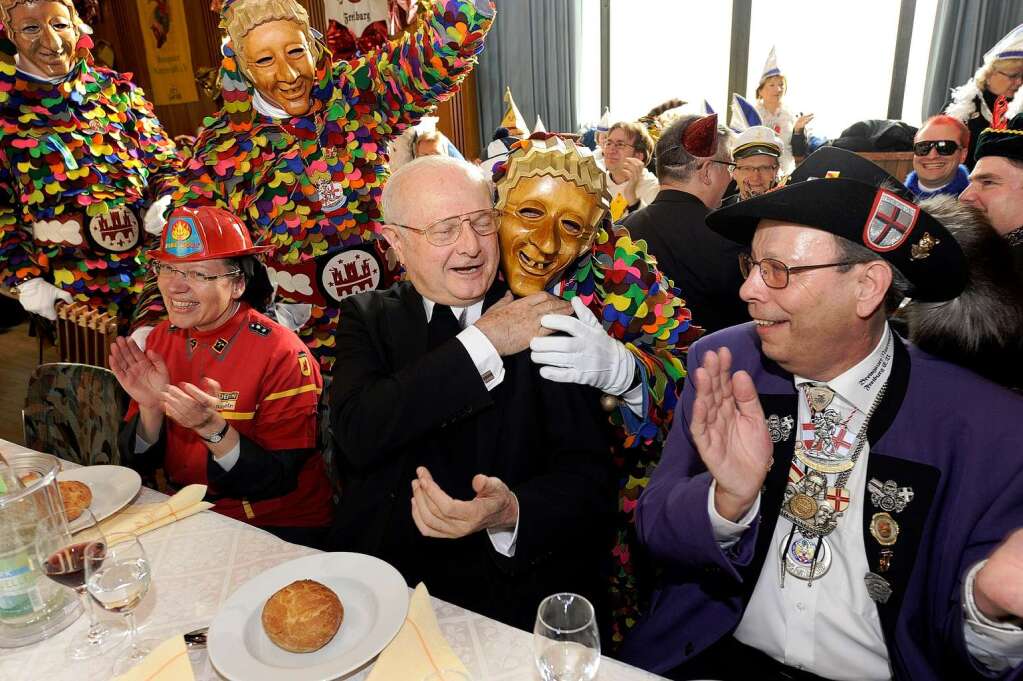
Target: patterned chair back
{"x": 73, "y": 411}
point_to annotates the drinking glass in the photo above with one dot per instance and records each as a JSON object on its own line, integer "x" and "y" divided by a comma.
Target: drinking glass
{"x": 62, "y": 557}
{"x": 117, "y": 575}
{"x": 566, "y": 644}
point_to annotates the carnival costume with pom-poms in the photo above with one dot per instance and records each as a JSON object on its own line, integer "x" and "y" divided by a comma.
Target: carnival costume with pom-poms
{"x": 310, "y": 185}
{"x": 80, "y": 161}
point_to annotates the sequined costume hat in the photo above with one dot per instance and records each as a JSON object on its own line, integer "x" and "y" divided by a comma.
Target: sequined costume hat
{"x": 837, "y": 191}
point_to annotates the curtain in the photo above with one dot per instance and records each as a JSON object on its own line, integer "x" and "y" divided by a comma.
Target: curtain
{"x": 963, "y": 31}
{"x": 530, "y": 48}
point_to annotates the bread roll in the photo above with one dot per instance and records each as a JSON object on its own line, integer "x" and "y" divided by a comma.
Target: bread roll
{"x": 303, "y": 616}
{"x": 76, "y": 497}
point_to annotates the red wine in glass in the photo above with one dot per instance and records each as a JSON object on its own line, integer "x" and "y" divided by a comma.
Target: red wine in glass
{"x": 67, "y": 566}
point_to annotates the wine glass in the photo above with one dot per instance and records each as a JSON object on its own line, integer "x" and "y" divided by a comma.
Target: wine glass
{"x": 117, "y": 575}
{"x": 62, "y": 557}
{"x": 566, "y": 644}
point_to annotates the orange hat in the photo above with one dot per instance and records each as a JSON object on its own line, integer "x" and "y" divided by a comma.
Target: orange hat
{"x": 204, "y": 233}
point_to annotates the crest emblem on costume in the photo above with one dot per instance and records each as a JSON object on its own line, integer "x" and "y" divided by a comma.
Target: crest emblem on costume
{"x": 779, "y": 428}
{"x": 890, "y": 222}
{"x": 116, "y": 230}
{"x": 350, "y": 272}
{"x": 922, "y": 249}
{"x": 183, "y": 237}
{"x": 332, "y": 195}
{"x": 888, "y": 496}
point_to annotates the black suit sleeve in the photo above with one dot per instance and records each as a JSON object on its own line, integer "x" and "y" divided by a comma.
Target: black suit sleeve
{"x": 376, "y": 408}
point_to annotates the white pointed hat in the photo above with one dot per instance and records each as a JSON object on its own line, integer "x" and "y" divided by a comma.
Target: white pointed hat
{"x": 770, "y": 66}
{"x": 605, "y": 121}
{"x": 1009, "y": 47}
{"x": 539, "y": 127}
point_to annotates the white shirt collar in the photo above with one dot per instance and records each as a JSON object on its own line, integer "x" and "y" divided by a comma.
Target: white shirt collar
{"x": 265, "y": 107}
{"x": 472, "y": 312}
{"x": 35, "y": 76}
{"x": 859, "y": 384}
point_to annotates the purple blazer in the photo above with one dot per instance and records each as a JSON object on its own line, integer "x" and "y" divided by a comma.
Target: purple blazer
{"x": 947, "y": 433}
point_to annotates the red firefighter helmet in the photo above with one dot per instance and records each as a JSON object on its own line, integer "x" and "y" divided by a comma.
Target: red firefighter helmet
{"x": 204, "y": 233}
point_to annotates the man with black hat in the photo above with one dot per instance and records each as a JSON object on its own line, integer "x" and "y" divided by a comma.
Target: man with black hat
{"x": 996, "y": 183}
{"x": 830, "y": 509}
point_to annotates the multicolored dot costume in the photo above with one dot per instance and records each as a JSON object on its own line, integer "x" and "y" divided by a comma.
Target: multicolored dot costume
{"x": 80, "y": 161}
{"x": 310, "y": 185}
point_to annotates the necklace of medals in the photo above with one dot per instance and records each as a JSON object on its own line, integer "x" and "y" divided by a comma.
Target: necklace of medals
{"x": 806, "y": 508}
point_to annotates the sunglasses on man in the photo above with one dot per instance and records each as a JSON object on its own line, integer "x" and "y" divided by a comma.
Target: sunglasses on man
{"x": 944, "y": 147}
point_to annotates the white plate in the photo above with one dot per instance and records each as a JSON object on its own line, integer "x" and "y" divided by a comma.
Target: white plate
{"x": 373, "y": 593}
{"x": 113, "y": 488}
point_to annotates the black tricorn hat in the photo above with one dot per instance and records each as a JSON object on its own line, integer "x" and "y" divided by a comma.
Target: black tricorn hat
{"x": 837, "y": 191}
{"x": 1007, "y": 142}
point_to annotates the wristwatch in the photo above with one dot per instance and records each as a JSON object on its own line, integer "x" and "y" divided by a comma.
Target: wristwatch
{"x": 217, "y": 437}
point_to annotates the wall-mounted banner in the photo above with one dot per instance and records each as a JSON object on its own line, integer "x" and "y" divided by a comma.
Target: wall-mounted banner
{"x": 165, "y": 34}
{"x": 357, "y": 26}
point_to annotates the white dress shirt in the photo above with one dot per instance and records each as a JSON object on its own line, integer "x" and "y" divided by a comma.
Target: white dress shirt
{"x": 832, "y": 628}
{"x": 646, "y": 189}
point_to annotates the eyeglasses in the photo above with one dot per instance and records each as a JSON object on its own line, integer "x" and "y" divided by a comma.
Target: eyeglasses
{"x": 161, "y": 269}
{"x": 1011, "y": 76}
{"x": 775, "y": 273}
{"x": 759, "y": 170}
{"x": 446, "y": 231}
{"x": 616, "y": 145}
{"x": 727, "y": 164}
{"x": 944, "y": 147}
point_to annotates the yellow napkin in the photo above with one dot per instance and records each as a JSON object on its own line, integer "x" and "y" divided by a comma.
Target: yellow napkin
{"x": 142, "y": 518}
{"x": 168, "y": 662}
{"x": 419, "y": 648}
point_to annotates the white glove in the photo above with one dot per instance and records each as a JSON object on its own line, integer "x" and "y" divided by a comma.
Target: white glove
{"x": 140, "y": 335}
{"x": 587, "y": 355}
{"x": 40, "y": 297}
{"x": 293, "y": 315}
{"x": 154, "y": 219}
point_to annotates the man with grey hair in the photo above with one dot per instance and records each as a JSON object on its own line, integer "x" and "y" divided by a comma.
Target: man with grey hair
{"x": 698, "y": 261}
{"x": 435, "y": 397}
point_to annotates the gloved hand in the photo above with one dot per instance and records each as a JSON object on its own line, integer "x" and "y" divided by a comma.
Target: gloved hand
{"x": 140, "y": 335}
{"x": 587, "y": 355}
{"x": 293, "y": 315}
{"x": 40, "y": 297}
{"x": 154, "y": 219}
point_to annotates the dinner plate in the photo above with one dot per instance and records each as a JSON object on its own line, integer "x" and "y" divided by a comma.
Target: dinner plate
{"x": 375, "y": 599}
{"x": 113, "y": 488}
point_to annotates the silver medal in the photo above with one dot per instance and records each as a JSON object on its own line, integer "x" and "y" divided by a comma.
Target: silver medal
{"x": 797, "y": 556}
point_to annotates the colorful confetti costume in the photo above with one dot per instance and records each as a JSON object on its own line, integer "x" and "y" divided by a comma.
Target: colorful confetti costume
{"x": 311, "y": 185}
{"x": 620, "y": 283}
{"x": 80, "y": 161}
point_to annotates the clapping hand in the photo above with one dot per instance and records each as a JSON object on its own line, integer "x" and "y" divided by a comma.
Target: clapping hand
{"x": 190, "y": 406}
{"x": 438, "y": 515}
{"x": 730, "y": 433}
{"x": 143, "y": 375}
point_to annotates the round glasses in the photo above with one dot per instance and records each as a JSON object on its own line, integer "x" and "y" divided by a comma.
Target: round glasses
{"x": 1011, "y": 76}
{"x": 161, "y": 269}
{"x": 775, "y": 273}
{"x": 446, "y": 231}
{"x": 944, "y": 147}
{"x": 615, "y": 144}
{"x": 759, "y": 170}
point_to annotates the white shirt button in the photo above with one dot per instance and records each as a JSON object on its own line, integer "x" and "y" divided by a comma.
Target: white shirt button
{"x": 800, "y": 606}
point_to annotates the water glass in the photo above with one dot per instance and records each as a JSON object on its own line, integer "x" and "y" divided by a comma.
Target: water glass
{"x": 566, "y": 644}
{"x": 117, "y": 576}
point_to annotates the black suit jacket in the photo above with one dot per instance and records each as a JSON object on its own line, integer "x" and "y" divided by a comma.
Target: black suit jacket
{"x": 702, "y": 264}
{"x": 395, "y": 405}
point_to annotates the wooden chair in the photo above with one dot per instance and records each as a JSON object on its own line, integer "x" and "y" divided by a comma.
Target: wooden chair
{"x": 74, "y": 411}
{"x": 898, "y": 164}
{"x": 84, "y": 335}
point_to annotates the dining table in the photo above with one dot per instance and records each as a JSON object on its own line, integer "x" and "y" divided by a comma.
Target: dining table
{"x": 199, "y": 561}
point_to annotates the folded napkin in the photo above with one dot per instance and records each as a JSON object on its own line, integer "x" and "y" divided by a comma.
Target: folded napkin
{"x": 141, "y": 518}
{"x": 419, "y": 648}
{"x": 168, "y": 662}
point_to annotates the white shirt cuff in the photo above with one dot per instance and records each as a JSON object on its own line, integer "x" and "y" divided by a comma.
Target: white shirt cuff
{"x": 996, "y": 645}
{"x": 504, "y": 540}
{"x": 141, "y": 445}
{"x": 484, "y": 356}
{"x": 228, "y": 461}
{"x": 634, "y": 399}
{"x": 727, "y": 533}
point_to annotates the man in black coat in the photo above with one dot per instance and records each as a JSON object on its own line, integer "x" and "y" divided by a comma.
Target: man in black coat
{"x": 704, "y": 265}
{"x": 460, "y": 465}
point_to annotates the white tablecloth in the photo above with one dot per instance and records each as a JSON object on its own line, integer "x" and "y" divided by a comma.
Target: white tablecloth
{"x": 199, "y": 561}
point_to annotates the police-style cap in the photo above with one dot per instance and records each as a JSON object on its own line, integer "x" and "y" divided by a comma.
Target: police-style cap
{"x": 757, "y": 140}
{"x": 837, "y": 191}
{"x": 204, "y": 233}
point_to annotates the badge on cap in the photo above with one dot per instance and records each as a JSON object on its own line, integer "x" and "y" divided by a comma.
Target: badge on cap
{"x": 890, "y": 222}
{"x": 183, "y": 237}
{"x": 922, "y": 249}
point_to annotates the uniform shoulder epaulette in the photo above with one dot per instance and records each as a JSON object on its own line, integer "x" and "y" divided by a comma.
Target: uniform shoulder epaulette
{"x": 259, "y": 329}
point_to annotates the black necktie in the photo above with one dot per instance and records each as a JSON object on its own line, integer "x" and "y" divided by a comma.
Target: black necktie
{"x": 443, "y": 325}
